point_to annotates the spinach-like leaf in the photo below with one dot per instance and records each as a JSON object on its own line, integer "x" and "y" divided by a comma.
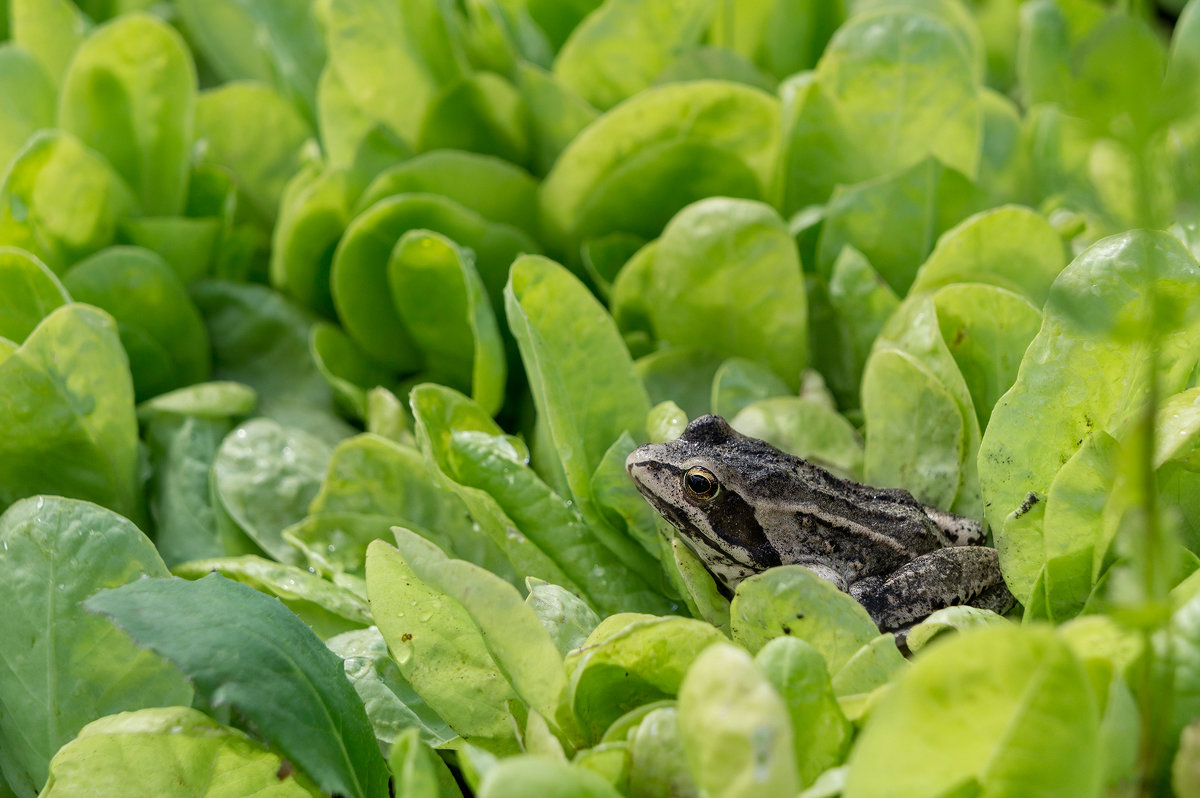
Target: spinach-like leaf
{"x": 619, "y": 49}
{"x": 130, "y": 94}
{"x": 28, "y": 97}
{"x": 1030, "y": 725}
{"x": 232, "y": 120}
{"x": 444, "y": 306}
{"x": 794, "y": 601}
{"x": 64, "y": 667}
{"x": 735, "y": 728}
{"x": 1095, "y": 305}
{"x": 67, "y": 425}
{"x": 159, "y": 325}
{"x": 173, "y": 752}
{"x": 636, "y": 166}
{"x": 233, "y": 642}
{"x": 579, "y": 371}
{"x": 28, "y": 292}
{"x": 260, "y": 40}
{"x": 440, "y": 651}
{"x": 61, "y": 201}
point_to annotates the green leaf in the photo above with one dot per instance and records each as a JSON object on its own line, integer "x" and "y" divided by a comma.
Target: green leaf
{"x": 1051, "y": 409}
{"x": 556, "y": 113}
{"x": 1010, "y": 247}
{"x": 914, "y": 429}
{"x": 159, "y": 325}
{"x": 873, "y": 665}
{"x": 169, "y": 752}
{"x": 680, "y": 375}
{"x": 781, "y": 37}
{"x": 610, "y": 570}
{"x": 348, "y": 370}
{"x": 444, "y": 306}
{"x": 336, "y": 543}
{"x": 735, "y": 727}
{"x": 636, "y": 166}
{"x": 183, "y": 431}
{"x": 61, "y": 201}
{"x": 260, "y": 40}
{"x": 630, "y": 660}
{"x": 351, "y": 137}
{"x": 626, "y": 509}
{"x": 893, "y": 87}
{"x": 715, "y": 63}
{"x": 360, "y": 266}
{"x": 130, "y": 94}
{"x": 1069, "y": 528}
{"x": 805, "y": 428}
{"x": 515, "y": 638}
{"x": 68, "y": 425}
{"x": 521, "y": 776}
{"x": 895, "y": 220}
{"x": 619, "y": 49}
{"x": 740, "y": 383}
{"x": 232, "y": 641}
{"x": 700, "y": 591}
{"x": 28, "y": 293}
{"x": 28, "y": 99}
{"x": 1013, "y": 703}
{"x": 326, "y": 608}
{"x": 394, "y": 708}
{"x": 264, "y": 477}
{"x": 949, "y": 619}
{"x": 658, "y": 764}
{"x": 440, "y": 651}
{"x": 793, "y": 601}
{"x": 1185, "y": 768}
{"x": 579, "y": 371}
{"x": 495, "y": 189}
{"x": 71, "y": 666}
{"x": 820, "y": 733}
{"x": 915, "y": 329}
{"x": 861, "y": 302}
{"x": 443, "y": 414}
{"x": 261, "y": 340}
{"x": 695, "y": 276}
{"x": 418, "y": 772}
{"x": 233, "y": 121}
{"x": 314, "y": 210}
{"x": 665, "y": 422}
{"x": 987, "y": 331}
{"x": 378, "y": 479}
{"x": 192, "y": 247}
{"x": 50, "y": 31}
{"x": 567, "y": 618}
{"x": 480, "y": 113}
{"x": 377, "y": 45}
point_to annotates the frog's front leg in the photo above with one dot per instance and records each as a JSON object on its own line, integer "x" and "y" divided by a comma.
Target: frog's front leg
{"x": 941, "y": 578}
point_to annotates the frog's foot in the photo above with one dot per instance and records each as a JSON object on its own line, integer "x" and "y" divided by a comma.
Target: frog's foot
{"x": 942, "y": 578}
{"x": 959, "y": 531}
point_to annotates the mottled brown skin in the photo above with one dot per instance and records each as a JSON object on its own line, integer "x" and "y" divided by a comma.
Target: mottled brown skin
{"x": 900, "y": 559}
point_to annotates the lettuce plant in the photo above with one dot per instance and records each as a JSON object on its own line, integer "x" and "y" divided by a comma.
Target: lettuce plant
{"x": 326, "y": 328}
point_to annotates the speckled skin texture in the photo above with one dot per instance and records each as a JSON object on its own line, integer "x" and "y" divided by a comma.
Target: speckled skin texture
{"x": 900, "y": 559}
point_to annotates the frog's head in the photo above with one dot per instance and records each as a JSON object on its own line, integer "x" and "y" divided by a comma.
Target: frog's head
{"x": 708, "y": 484}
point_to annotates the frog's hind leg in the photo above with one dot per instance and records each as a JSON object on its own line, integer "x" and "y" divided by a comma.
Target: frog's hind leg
{"x": 942, "y": 578}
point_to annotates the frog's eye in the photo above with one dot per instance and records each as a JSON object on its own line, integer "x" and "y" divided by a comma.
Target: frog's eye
{"x": 700, "y": 483}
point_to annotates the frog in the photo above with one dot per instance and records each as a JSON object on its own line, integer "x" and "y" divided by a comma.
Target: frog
{"x": 743, "y": 506}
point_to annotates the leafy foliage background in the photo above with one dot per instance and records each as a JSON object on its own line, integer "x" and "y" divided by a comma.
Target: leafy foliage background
{"x": 363, "y": 303}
